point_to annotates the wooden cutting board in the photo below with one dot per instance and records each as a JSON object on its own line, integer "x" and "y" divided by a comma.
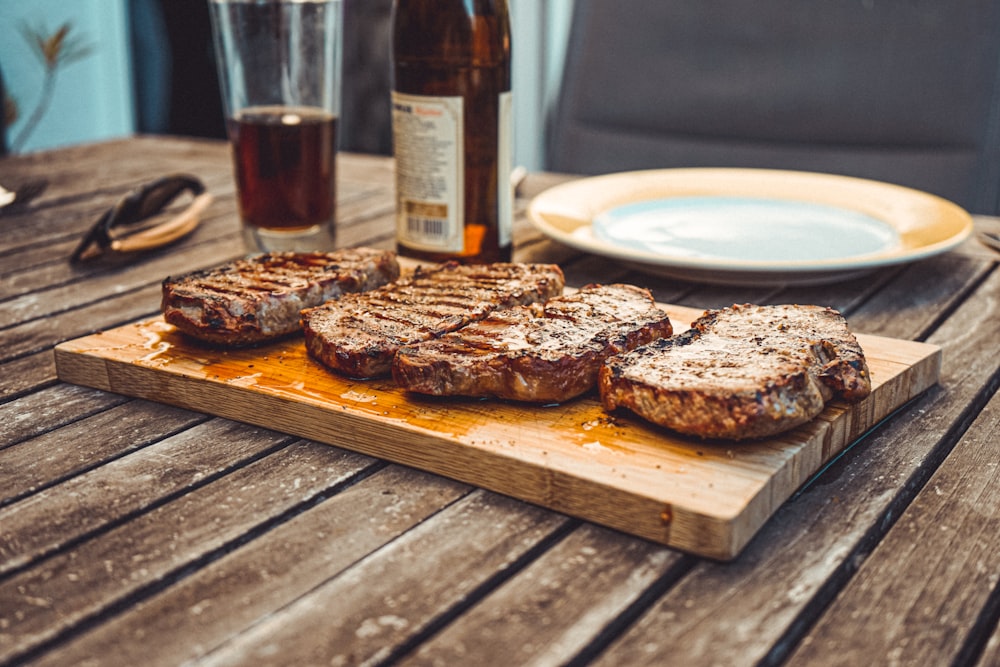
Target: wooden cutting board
{"x": 613, "y": 469}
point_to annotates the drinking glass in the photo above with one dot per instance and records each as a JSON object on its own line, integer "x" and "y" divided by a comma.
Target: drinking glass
{"x": 280, "y": 78}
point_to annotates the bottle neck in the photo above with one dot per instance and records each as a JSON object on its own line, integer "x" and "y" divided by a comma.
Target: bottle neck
{"x": 472, "y": 33}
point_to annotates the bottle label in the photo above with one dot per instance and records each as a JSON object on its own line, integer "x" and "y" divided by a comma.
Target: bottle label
{"x": 505, "y": 166}
{"x": 430, "y": 170}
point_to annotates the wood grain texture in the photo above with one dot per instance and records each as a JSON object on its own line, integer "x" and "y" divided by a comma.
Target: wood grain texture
{"x": 56, "y": 456}
{"x": 48, "y": 409}
{"x": 815, "y": 542}
{"x": 91, "y": 577}
{"x": 201, "y": 612}
{"x": 364, "y": 614}
{"x": 707, "y": 498}
{"x": 53, "y": 518}
{"x": 949, "y": 537}
{"x": 554, "y": 608}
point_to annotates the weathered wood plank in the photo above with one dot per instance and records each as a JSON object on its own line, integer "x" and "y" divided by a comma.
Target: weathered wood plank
{"x": 921, "y": 293}
{"x": 82, "y": 166}
{"x": 374, "y": 226}
{"x": 550, "y": 611}
{"x": 30, "y": 373}
{"x": 393, "y": 596}
{"x": 50, "y": 408}
{"x": 57, "y": 455}
{"x": 202, "y": 611}
{"x": 948, "y": 539}
{"x": 755, "y": 608}
{"x": 40, "y": 604}
{"x": 46, "y": 521}
{"x": 846, "y": 296}
{"x": 42, "y": 334}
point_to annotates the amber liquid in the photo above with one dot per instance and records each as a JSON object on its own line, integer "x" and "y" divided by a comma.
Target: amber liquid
{"x": 285, "y": 163}
{"x": 440, "y": 49}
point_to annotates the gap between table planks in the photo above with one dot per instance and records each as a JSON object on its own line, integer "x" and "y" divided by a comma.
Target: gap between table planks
{"x": 706, "y": 498}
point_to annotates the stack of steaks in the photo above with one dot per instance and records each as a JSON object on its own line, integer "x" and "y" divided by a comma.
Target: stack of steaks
{"x": 506, "y": 330}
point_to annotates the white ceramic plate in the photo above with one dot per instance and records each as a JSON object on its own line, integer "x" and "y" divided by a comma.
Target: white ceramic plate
{"x": 749, "y": 226}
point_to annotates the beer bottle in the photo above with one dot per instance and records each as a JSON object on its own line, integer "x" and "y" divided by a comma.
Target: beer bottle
{"x": 452, "y": 129}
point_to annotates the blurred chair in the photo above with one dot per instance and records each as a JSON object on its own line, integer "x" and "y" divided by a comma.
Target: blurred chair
{"x": 895, "y": 90}
{"x": 366, "y": 118}
{"x": 174, "y": 76}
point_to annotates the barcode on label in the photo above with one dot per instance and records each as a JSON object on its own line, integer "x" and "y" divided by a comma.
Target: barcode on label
{"x": 427, "y": 227}
{"x": 426, "y": 221}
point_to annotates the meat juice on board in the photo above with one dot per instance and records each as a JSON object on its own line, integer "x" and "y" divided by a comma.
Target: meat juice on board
{"x": 452, "y": 129}
{"x": 285, "y": 160}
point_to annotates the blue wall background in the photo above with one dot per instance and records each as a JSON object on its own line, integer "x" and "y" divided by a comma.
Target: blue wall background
{"x": 93, "y": 96}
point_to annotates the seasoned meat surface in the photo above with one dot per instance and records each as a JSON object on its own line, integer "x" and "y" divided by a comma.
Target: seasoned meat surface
{"x": 539, "y": 354}
{"x": 741, "y": 372}
{"x": 358, "y": 335}
{"x": 256, "y": 299}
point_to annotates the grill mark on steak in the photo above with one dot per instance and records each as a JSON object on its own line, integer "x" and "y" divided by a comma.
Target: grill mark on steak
{"x": 741, "y": 372}
{"x": 841, "y": 368}
{"x": 257, "y": 299}
{"x": 537, "y": 354}
{"x": 358, "y": 335}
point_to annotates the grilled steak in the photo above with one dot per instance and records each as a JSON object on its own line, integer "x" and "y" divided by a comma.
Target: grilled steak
{"x": 539, "y": 354}
{"x": 358, "y": 335}
{"x": 741, "y": 372}
{"x": 252, "y": 300}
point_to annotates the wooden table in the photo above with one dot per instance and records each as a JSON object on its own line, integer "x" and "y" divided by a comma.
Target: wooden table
{"x": 132, "y": 532}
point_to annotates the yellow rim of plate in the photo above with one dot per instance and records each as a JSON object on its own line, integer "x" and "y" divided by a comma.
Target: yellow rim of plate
{"x": 927, "y": 224}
